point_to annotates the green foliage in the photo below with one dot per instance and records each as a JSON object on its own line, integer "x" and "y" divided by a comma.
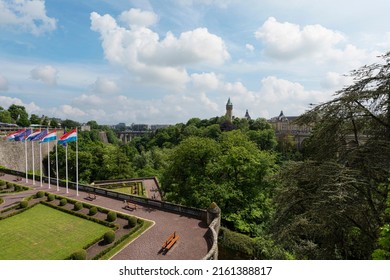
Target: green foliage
{"x": 40, "y": 194}
{"x": 240, "y": 246}
{"x": 109, "y": 237}
{"x": 232, "y": 171}
{"x": 79, "y": 255}
{"x": 132, "y": 221}
{"x": 2, "y": 183}
{"x": 10, "y": 185}
{"x": 111, "y": 216}
{"x": 50, "y": 197}
{"x": 77, "y": 206}
{"x": 63, "y": 201}
{"x": 23, "y": 204}
{"x": 92, "y": 211}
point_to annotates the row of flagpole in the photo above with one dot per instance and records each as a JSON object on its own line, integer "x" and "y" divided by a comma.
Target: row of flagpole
{"x": 44, "y": 136}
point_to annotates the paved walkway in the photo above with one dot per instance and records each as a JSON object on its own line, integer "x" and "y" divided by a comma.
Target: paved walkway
{"x": 192, "y": 244}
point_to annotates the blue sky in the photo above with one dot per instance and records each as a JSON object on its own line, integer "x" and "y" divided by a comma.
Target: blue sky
{"x": 163, "y": 62}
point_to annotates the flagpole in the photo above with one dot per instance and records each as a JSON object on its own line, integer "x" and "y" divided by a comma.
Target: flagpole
{"x": 58, "y": 188}
{"x": 40, "y": 161}
{"x": 25, "y": 153}
{"x": 66, "y": 166}
{"x": 48, "y": 161}
{"x": 33, "y": 163}
{"x": 77, "y": 165}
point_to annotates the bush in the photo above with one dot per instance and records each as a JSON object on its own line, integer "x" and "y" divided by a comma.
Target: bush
{"x": 23, "y": 204}
{"x": 40, "y": 194}
{"x": 17, "y": 188}
{"x": 92, "y": 211}
{"x": 50, "y": 197}
{"x": 10, "y": 185}
{"x": 77, "y": 206}
{"x": 132, "y": 221}
{"x": 79, "y": 255}
{"x": 2, "y": 183}
{"x": 63, "y": 202}
{"x": 109, "y": 237}
{"x": 111, "y": 216}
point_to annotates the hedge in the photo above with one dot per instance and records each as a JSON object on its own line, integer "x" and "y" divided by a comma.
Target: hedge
{"x": 79, "y": 255}
{"x": 109, "y": 237}
{"x": 77, "y": 206}
{"x": 111, "y": 216}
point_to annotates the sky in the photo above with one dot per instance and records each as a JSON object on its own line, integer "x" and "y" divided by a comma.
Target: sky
{"x": 164, "y": 62}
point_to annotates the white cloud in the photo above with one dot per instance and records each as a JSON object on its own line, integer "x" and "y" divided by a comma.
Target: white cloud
{"x": 155, "y": 61}
{"x": 136, "y": 17}
{"x": 105, "y": 86}
{"x": 205, "y": 81}
{"x": 68, "y": 111}
{"x": 288, "y": 41}
{"x": 335, "y": 81}
{"x": 26, "y": 15}
{"x": 250, "y": 47}
{"x": 46, "y": 74}
{"x": 31, "y": 107}
{"x": 3, "y": 83}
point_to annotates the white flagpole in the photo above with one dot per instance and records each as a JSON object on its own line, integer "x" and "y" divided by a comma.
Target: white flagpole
{"x": 40, "y": 161}
{"x": 25, "y": 153}
{"x": 33, "y": 163}
{"x": 48, "y": 161}
{"x": 58, "y": 188}
{"x": 66, "y": 166}
{"x": 77, "y": 164}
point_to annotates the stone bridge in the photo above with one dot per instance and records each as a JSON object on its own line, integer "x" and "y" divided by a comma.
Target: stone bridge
{"x": 127, "y": 136}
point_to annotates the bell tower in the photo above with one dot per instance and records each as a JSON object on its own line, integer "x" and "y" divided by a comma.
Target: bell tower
{"x": 229, "y": 110}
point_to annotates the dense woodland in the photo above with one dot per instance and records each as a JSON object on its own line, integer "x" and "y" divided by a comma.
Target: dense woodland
{"x": 329, "y": 200}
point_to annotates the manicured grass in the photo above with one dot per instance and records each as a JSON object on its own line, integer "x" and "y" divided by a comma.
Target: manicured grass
{"x": 43, "y": 233}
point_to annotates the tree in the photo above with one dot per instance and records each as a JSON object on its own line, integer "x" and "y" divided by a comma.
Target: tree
{"x": 332, "y": 206}
{"x": 5, "y": 116}
{"x": 19, "y": 115}
{"x": 323, "y": 211}
{"x": 34, "y": 119}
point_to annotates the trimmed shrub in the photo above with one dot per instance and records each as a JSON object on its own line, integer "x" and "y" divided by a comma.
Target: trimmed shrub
{"x": 79, "y": 255}
{"x": 109, "y": 237}
{"x": 50, "y": 197}
{"x": 23, "y": 204}
{"x": 40, "y": 194}
{"x": 2, "y": 183}
{"x": 132, "y": 221}
{"x": 111, "y": 216}
{"x": 92, "y": 211}
{"x": 17, "y": 188}
{"x": 63, "y": 202}
{"x": 78, "y": 206}
{"x": 10, "y": 185}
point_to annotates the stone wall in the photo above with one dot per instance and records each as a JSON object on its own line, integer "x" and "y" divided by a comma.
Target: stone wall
{"x": 12, "y": 154}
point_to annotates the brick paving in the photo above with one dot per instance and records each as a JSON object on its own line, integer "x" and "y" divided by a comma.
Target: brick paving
{"x": 192, "y": 244}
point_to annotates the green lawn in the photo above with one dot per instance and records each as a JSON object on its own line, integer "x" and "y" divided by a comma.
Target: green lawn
{"x": 43, "y": 233}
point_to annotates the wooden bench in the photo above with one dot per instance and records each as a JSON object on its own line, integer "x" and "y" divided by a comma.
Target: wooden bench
{"x": 171, "y": 240}
{"x": 91, "y": 196}
{"x": 130, "y": 206}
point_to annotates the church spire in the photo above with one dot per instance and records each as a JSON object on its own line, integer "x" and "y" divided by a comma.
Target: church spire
{"x": 229, "y": 110}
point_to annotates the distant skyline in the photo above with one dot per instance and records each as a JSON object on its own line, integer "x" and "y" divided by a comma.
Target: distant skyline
{"x": 164, "y": 62}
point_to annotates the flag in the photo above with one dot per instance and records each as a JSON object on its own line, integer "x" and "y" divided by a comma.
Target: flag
{"x": 23, "y": 135}
{"x": 49, "y": 137}
{"x": 33, "y": 135}
{"x": 40, "y": 135}
{"x": 68, "y": 137}
{"x": 11, "y": 136}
